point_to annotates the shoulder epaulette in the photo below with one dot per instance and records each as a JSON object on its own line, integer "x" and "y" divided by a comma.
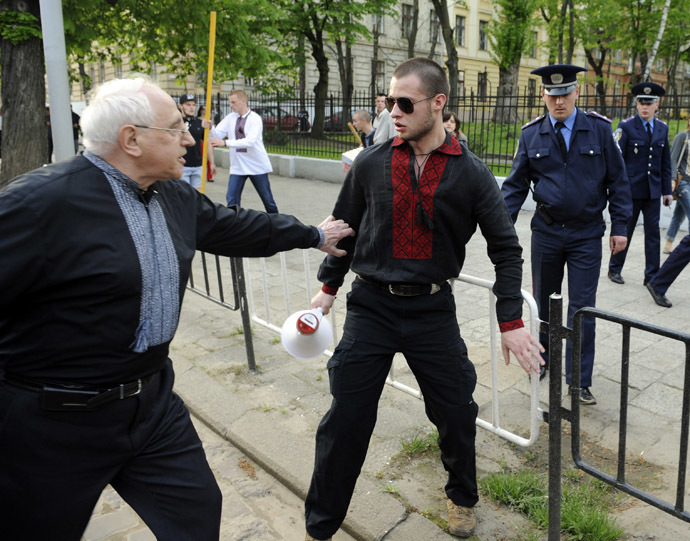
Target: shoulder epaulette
{"x": 660, "y": 121}
{"x": 627, "y": 119}
{"x": 597, "y": 115}
{"x": 533, "y": 121}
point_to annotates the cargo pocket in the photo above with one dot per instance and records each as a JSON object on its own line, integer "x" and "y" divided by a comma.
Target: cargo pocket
{"x": 339, "y": 357}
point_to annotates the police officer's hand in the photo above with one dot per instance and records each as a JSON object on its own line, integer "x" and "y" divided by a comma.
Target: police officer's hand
{"x": 324, "y": 301}
{"x": 333, "y": 231}
{"x": 525, "y": 347}
{"x": 668, "y": 199}
{"x": 617, "y": 243}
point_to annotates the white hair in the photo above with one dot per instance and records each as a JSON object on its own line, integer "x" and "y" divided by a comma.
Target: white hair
{"x": 115, "y": 104}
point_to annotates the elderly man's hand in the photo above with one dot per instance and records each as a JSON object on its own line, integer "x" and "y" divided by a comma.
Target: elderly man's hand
{"x": 333, "y": 231}
{"x": 525, "y": 347}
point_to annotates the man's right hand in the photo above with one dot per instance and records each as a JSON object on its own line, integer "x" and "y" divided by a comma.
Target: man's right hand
{"x": 215, "y": 142}
{"x": 333, "y": 231}
{"x": 324, "y": 301}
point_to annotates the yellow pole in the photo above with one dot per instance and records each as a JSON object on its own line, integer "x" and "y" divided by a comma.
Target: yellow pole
{"x": 209, "y": 94}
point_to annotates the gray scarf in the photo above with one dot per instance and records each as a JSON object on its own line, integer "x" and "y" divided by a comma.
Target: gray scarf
{"x": 160, "y": 272}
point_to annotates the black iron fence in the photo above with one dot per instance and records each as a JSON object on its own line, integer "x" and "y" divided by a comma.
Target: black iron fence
{"x": 491, "y": 123}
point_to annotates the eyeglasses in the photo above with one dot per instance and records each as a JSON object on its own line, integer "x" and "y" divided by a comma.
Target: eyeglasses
{"x": 181, "y": 132}
{"x": 406, "y": 105}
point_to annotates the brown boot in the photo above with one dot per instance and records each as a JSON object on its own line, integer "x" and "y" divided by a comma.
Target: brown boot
{"x": 461, "y": 520}
{"x": 310, "y": 538}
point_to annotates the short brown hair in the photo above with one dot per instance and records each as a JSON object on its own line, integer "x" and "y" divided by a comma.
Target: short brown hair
{"x": 240, "y": 94}
{"x": 431, "y": 76}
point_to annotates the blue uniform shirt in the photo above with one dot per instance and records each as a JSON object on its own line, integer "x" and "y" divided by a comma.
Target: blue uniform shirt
{"x": 648, "y": 164}
{"x": 567, "y": 129}
{"x": 576, "y": 192}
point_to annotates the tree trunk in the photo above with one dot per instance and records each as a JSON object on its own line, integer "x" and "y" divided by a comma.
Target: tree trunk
{"x": 600, "y": 86}
{"x": 452, "y": 62}
{"x": 412, "y": 37}
{"x": 346, "y": 76}
{"x": 24, "y": 133}
{"x": 506, "y": 111}
{"x": 321, "y": 88}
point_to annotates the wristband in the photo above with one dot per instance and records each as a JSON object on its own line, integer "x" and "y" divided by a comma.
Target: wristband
{"x": 511, "y": 325}
{"x": 329, "y": 290}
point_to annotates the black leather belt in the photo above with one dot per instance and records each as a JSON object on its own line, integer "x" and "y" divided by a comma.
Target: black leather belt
{"x": 66, "y": 397}
{"x": 404, "y": 290}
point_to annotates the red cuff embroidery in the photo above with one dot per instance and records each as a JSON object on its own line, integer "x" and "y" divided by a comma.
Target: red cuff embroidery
{"x": 511, "y": 325}
{"x": 329, "y": 290}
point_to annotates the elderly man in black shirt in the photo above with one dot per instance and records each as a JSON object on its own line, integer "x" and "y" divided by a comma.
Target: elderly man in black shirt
{"x": 95, "y": 252}
{"x": 414, "y": 201}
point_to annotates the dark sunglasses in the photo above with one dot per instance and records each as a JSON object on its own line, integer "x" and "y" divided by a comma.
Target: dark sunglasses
{"x": 406, "y": 105}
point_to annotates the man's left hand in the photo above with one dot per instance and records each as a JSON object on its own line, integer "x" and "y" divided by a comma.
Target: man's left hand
{"x": 215, "y": 142}
{"x": 333, "y": 231}
{"x": 668, "y": 199}
{"x": 525, "y": 347}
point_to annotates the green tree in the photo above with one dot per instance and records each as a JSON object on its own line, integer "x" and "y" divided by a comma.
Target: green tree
{"x": 321, "y": 22}
{"x": 511, "y": 36}
{"x": 169, "y": 33}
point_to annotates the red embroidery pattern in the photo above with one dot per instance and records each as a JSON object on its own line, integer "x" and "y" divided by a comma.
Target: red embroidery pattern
{"x": 410, "y": 239}
{"x": 511, "y": 325}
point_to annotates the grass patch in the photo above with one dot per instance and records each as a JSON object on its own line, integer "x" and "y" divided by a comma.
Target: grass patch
{"x": 584, "y": 509}
{"x": 420, "y": 444}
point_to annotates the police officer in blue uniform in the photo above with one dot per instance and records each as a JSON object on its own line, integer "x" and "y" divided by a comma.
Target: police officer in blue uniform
{"x": 643, "y": 140}
{"x": 669, "y": 271}
{"x": 576, "y": 168}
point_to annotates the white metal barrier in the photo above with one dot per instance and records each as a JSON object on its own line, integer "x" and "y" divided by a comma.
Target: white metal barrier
{"x": 494, "y": 425}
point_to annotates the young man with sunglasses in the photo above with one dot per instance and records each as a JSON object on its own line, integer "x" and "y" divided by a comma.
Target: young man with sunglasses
{"x": 248, "y": 158}
{"x": 576, "y": 169}
{"x": 414, "y": 202}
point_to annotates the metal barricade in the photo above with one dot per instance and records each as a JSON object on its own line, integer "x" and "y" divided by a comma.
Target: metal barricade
{"x": 557, "y": 333}
{"x": 493, "y": 425}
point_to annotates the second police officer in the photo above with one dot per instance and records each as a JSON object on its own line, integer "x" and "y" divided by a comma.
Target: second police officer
{"x": 643, "y": 140}
{"x": 570, "y": 161}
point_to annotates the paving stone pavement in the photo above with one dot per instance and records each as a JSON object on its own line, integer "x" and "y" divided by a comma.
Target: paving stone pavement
{"x": 269, "y": 419}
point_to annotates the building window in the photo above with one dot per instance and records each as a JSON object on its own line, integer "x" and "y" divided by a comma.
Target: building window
{"x": 92, "y": 74}
{"x": 248, "y": 81}
{"x": 483, "y": 35}
{"x": 616, "y": 87}
{"x": 154, "y": 71}
{"x": 377, "y": 24}
{"x": 618, "y": 56}
{"x": 460, "y": 31}
{"x": 381, "y": 76}
{"x": 461, "y": 83}
{"x": 407, "y": 20}
{"x": 533, "y": 50}
{"x": 531, "y": 92}
{"x": 660, "y": 64}
{"x": 482, "y": 82}
{"x": 434, "y": 26}
{"x": 118, "y": 71}
{"x": 101, "y": 71}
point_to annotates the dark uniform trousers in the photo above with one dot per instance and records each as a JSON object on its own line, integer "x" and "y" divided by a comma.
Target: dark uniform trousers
{"x": 551, "y": 251}
{"x": 650, "y": 209}
{"x": 144, "y": 446}
{"x": 672, "y": 267}
{"x": 378, "y": 324}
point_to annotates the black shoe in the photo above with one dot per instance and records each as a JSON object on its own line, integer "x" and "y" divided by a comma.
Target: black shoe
{"x": 586, "y": 397}
{"x": 659, "y": 298}
{"x": 616, "y": 277}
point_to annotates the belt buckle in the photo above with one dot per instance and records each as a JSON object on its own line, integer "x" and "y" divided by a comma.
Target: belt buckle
{"x": 402, "y": 290}
{"x": 122, "y": 390}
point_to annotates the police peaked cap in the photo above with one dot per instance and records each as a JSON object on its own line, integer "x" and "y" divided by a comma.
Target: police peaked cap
{"x": 647, "y": 92}
{"x": 558, "y": 79}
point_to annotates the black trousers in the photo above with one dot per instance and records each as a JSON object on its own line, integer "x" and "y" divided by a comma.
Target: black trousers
{"x": 55, "y": 464}
{"x": 378, "y": 325}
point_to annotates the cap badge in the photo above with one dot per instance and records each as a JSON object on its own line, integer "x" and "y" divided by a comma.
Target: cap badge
{"x": 556, "y": 78}
{"x": 647, "y": 90}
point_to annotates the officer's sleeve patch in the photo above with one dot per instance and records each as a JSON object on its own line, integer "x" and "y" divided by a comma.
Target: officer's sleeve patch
{"x": 597, "y": 115}
{"x": 533, "y": 122}
{"x": 617, "y": 135}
